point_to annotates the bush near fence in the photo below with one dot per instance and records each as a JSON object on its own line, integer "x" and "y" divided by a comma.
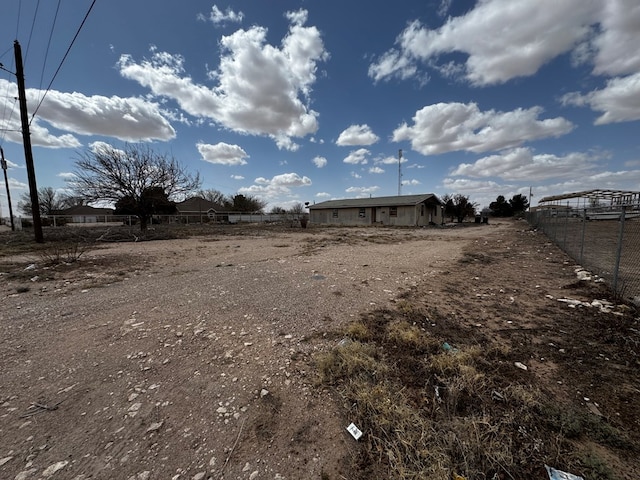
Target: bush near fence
{"x": 599, "y": 242}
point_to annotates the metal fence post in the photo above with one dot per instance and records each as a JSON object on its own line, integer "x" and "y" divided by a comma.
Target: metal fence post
{"x": 584, "y": 227}
{"x": 566, "y": 227}
{"x": 619, "y": 249}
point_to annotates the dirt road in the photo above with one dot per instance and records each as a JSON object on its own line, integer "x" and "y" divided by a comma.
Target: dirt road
{"x": 194, "y": 359}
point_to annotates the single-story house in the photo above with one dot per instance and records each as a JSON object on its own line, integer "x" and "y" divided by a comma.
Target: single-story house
{"x": 402, "y": 210}
{"x": 196, "y": 209}
{"x": 86, "y": 214}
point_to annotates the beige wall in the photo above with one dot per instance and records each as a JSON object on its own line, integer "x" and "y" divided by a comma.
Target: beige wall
{"x": 406, "y": 216}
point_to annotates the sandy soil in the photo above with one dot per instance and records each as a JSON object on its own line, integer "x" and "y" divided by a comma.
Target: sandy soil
{"x": 193, "y": 359}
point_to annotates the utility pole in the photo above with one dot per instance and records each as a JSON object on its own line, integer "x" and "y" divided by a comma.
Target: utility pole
{"x": 26, "y": 139}
{"x": 3, "y": 163}
{"x": 399, "y": 172}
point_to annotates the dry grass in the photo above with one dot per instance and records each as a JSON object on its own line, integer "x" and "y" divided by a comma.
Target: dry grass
{"x": 429, "y": 412}
{"x": 56, "y": 253}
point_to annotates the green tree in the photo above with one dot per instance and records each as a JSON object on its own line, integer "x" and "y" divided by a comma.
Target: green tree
{"x": 449, "y": 207}
{"x": 463, "y": 207}
{"x": 458, "y": 207}
{"x": 501, "y": 208}
{"x": 135, "y": 176}
{"x": 244, "y": 204}
{"x": 519, "y": 204}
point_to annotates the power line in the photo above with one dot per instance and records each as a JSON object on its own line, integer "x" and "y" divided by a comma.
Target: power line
{"x": 33, "y": 24}
{"x": 5, "y": 52}
{"x": 62, "y": 61}
{"x": 4, "y": 114}
{"x": 46, "y": 53}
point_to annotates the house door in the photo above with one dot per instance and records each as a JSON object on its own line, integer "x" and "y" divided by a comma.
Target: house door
{"x": 373, "y": 215}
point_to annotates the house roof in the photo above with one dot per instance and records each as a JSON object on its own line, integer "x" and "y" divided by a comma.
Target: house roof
{"x": 377, "y": 201}
{"x": 85, "y": 210}
{"x": 197, "y": 204}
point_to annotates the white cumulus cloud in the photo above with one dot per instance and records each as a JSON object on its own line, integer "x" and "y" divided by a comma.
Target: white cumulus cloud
{"x": 362, "y": 191}
{"x": 127, "y": 119}
{"x": 357, "y": 135}
{"x": 319, "y": 162}
{"x": 376, "y": 170}
{"x": 619, "y": 100}
{"x": 521, "y": 164}
{"x": 277, "y": 188}
{"x": 411, "y": 182}
{"x": 448, "y": 127}
{"x": 506, "y": 39}
{"x": 222, "y": 154}
{"x": 217, "y": 16}
{"x": 357, "y": 157}
{"x": 260, "y": 89}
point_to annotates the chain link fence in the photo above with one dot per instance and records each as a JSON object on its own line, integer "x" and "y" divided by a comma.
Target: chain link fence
{"x": 185, "y": 219}
{"x": 601, "y": 240}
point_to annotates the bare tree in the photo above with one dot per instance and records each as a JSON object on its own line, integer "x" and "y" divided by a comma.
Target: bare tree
{"x": 110, "y": 174}
{"x": 49, "y": 201}
{"x": 297, "y": 209}
{"x": 214, "y": 196}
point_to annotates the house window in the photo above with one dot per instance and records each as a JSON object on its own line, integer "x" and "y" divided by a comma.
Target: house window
{"x": 335, "y": 213}
{"x": 361, "y": 213}
{"x": 422, "y": 210}
{"x": 393, "y": 211}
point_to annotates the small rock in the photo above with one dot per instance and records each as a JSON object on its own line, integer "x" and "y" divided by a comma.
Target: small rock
{"x": 521, "y": 366}
{"x": 133, "y": 409}
{"x": 30, "y": 267}
{"x": 25, "y": 474}
{"x": 221, "y": 410}
{"x": 51, "y": 469}
{"x": 254, "y": 475}
{"x": 246, "y": 467}
{"x": 5, "y": 460}
{"x": 212, "y": 462}
{"x": 595, "y": 410}
{"x": 264, "y": 392}
{"x": 132, "y": 397}
{"x": 154, "y": 427}
{"x": 199, "y": 476}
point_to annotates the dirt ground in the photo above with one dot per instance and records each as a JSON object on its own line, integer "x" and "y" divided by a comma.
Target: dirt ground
{"x": 196, "y": 358}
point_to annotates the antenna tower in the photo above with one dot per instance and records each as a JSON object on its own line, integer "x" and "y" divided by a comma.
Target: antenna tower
{"x": 399, "y": 172}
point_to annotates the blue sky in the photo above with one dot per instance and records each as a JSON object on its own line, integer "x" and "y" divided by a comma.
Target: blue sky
{"x": 296, "y": 101}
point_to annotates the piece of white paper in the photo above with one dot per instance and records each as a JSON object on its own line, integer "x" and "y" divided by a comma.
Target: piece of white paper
{"x": 354, "y": 431}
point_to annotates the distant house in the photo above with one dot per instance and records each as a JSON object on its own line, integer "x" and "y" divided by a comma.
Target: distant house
{"x": 196, "y": 209}
{"x": 403, "y": 210}
{"x": 86, "y": 214}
